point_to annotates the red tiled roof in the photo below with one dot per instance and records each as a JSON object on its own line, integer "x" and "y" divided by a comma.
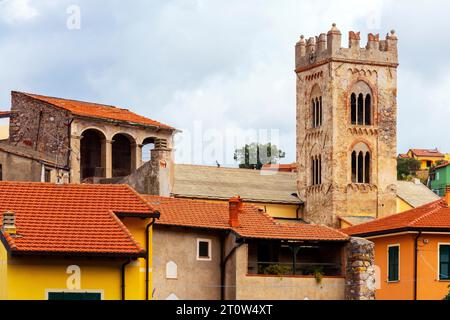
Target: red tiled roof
{"x": 432, "y": 216}
{"x": 442, "y": 165}
{"x": 427, "y": 152}
{"x": 403, "y": 156}
{"x": 71, "y": 219}
{"x": 253, "y": 222}
{"x": 94, "y": 110}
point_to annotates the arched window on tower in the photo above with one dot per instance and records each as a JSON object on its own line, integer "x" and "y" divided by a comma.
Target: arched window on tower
{"x": 361, "y": 106}
{"x": 361, "y": 164}
{"x": 316, "y": 170}
{"x": 353, "y": 108}
{"x": 316, "y": 108}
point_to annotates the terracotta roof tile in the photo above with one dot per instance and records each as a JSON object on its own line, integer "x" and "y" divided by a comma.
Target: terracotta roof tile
{"x": 89, "y": 109}
{"x": 253, "y": 222}
{"x": 70, "y": 219}
{"x": 427, "y": 152}
{"x": 435, "y": 215}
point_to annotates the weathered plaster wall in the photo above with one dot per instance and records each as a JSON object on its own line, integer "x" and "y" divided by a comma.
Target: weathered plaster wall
{"x": 196, "y": 280}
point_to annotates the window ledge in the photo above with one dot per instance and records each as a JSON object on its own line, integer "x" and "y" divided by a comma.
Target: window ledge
{"x": 392, "y": 282}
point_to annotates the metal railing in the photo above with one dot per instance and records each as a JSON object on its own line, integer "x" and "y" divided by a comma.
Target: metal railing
{"x": 300, "y": 268}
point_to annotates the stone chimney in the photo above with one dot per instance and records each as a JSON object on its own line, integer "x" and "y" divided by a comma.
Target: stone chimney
{"x": 9, "y": 222}
{"x": 161, "y": 179}
{"x": 235, "y": 208}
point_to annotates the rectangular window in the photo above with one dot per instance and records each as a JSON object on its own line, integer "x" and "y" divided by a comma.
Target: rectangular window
{"x": 203, "y": 249}
{"x": 429, "y": 163}
{"x": 393, "y": 263}
{"x": 444, "y": 262}
{"x": 48, "y": 175}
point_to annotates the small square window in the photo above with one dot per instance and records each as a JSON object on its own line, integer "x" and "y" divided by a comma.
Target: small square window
{"x": 203, "y": 249}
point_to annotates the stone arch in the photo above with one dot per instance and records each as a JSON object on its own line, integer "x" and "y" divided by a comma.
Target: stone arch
{"x": 123, "y": 154}
{"x": 92, "y": 153}
{"x": 362, "y": 102}
{"x": 147, "y": 145}
{"x": 361, "y": 163}
{"x": 316, "y": 106}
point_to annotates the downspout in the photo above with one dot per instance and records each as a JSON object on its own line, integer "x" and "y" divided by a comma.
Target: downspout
{"x": 223, "y": 265}
{"x": 416, "y": 250}
{"x": 123, "y": 277}
{"x": 147, "y": 247}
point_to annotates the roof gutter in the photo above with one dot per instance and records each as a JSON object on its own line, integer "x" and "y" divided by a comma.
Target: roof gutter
{"x": 123, "y": 278}
{"x": 223, "y": 264}
{"x": 147, "y": 258}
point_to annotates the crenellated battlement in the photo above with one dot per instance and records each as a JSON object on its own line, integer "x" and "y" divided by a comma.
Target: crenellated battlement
{"x": 325, "y": 47}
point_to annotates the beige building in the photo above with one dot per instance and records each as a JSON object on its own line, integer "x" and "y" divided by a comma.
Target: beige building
{"x": 346, "y": 126}
{"x": 212, "y": 251}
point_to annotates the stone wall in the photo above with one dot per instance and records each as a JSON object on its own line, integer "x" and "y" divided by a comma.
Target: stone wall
{"x": 37, "y": 125}
{"x": 360, "y": 271}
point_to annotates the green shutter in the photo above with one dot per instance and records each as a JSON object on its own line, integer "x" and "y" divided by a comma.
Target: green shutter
{"x": 74, "y": 296}
{"x": 393, "y": 272}
{"x": 444, "y": 262}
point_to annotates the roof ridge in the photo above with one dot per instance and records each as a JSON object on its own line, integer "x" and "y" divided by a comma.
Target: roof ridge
{"x": 429, "y": 213}
{"x": 140, "y": 197}
{"x": 231, "y": 168}
{"x": 37, "y": 96}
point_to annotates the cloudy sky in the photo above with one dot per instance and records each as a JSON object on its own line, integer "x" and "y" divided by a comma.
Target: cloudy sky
{"x": 217, "y": 68}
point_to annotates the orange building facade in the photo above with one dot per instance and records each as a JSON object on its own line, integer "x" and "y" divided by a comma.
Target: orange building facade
{"x": 412, "y": 252}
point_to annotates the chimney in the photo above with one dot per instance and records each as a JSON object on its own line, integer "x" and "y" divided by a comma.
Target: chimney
{"x": 235, "y": 208}
{"x": 9, "y": 222}
{"x": 161, "y": 177}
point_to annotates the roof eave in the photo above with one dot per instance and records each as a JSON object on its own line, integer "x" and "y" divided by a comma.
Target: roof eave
{"x": 114, "y": 121}
{"x": 399, "y": 230}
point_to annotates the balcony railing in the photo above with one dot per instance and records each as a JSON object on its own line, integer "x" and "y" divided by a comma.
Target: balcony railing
{"x": 300, "y": 268}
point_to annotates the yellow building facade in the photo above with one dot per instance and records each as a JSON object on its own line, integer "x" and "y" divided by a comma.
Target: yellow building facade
{"x": 93, "y": 243}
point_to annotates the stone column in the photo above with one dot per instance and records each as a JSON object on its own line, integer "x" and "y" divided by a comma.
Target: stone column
{"x": 360, "y": 271}
{"x": 107, "y": 158}
{"x": 75, "y": 159}
{"x": 136, "y": 156}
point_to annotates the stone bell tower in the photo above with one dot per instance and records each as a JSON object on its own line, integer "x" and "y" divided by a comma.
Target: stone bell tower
{"x": 346, "y": 127}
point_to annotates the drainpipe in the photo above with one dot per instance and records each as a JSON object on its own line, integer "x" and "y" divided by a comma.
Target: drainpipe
{"x": 223, "y": 264}
{"x": 147, "y": 247}
{"x": 123, "y": 277}
{"x": 416, "y": 251}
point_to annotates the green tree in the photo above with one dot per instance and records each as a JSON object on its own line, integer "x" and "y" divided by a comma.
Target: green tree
{"x": 407, "y": 168}
{"x": 255, "y": 155}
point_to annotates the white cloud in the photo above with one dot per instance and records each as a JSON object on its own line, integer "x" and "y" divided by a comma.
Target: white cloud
{"x": 224, "y": 63}
{"x": 17, "y": 11}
